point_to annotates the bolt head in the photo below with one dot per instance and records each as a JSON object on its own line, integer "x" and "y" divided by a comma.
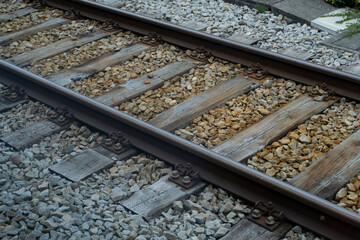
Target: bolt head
{"x": 108, "y": 142}
{"x": 256, "y": 214}
{"x": 175, "y": 174}
{"x": 270, "y": 220}
{"x": 118, "y": 146}
{"x": 186, "y": 180}
{"x": 61, "y": 118}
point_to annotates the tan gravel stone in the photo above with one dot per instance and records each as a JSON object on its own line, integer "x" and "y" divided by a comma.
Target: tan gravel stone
{"x": 180, "y": 89}
{"x": 310, "y": 141}
{"x": 82, "y": 54}
{"x": 219, "y": 124}
{"x": 11, "y": 6}
{"x": 145, "y": 63}
{"x": 47, "y": 37}
{"x": 29, "y": 20}
{"x": 349, "y": 196}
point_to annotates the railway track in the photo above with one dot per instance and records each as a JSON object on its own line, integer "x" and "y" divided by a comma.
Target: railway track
{"x": 302, "y": 133}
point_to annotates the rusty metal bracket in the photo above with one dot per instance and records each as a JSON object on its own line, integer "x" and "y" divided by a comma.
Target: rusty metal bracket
{"x": 61, "y": 116}
{"x": 266, "y": 216}
{"x": 72, "y": 14}
{"x": 109, "y": 26}
{"x": 184, "y": 176}
{"x": 152, "y": 39}
{"x": 200, "y": 54}
{"x": 257, "y": 71}
{"x": 116, "y": 143}
{"x": 14, "y": 93}
{"x": 321, "y": 93}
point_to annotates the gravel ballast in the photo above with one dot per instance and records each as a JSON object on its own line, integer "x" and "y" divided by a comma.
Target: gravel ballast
{"x": 276, "y": 32}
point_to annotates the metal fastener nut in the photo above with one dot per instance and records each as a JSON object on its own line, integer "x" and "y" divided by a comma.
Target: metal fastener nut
{"x": 118, "y": 146}
{"x": 175, "y": 174}
{"x": 108, "y": 142}
{"x": 270, "y": 220}
{"x": 61, "y": 118}
{"x": 186, "y": 180}
{"x": 256, "y": 214}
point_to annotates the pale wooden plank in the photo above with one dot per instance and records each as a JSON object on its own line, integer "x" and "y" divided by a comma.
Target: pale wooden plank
{"x": 24, "y": 59}
{"x": 96, "y": 65}
{"x": 238, "y": 37}
{"x": 83, "y": 165}
{"x": 111, "y": 3}
{"x": 122, "y": 156}
{"x": 181, "y": 114}
{"x": 329, "y": 173}
{"x": 252, "y": 139}
{"x": 136, "y": 87}
{"x": 247, "y": 230}
{"x": 6, "y": 39}
{"x": 194, "y": 25}
{"x": 296, "y": 53}
{"x": 6, "y": 104}
{"x": 158, "y": 197}
{"x": 354, "y": 69}
{"x": 27, "y": 136}
{"x": 8, "y": 16}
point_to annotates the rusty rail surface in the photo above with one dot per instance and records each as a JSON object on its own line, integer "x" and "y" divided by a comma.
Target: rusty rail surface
{"x": 298, "y": 206}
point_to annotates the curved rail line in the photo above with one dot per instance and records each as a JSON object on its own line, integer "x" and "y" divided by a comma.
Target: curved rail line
{"x": 299, "y": 206}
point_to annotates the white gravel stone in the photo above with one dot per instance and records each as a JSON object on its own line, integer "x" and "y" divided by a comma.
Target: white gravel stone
{"x": 224, "y": 19}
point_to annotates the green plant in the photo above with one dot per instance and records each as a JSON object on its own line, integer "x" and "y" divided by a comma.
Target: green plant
{"x": 342, "y": 3}
{"x": 261, "y": 8}
{"x": 347, "y": 15}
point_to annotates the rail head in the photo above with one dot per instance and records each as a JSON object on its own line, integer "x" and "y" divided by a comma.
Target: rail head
{"x": 303, "y": 208}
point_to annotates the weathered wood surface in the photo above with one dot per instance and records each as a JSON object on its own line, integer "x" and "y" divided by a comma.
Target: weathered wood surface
{"x": 252, "y": 139}
{"x": 24, "y": 59}
{"x": 329, "y": 173}
{"x": 239, "y": 37}
{"x": 8, "y": 38}
{"x": 354, "y": 69}
{"x": 194, "y": 25}
{"x": 247, "y": 230}
{"x": 181, "y": 114}
{"x": 83, "y": 165}
{"x": 125, "y": 155}
{"x": 158, "y": 197}
{"x": 34, "y": 133}
{"x": 136, "y": 87}
{"x": 112, "y": 3}
{"x": 8, "y": 16}
{"x": 6, "y": 104}
{"x": 96, "y": 65}
{"x": 296, "y": 53}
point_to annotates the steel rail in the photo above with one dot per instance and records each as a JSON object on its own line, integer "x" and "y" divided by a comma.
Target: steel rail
{"x": 344, "y": 84}
{"x": 298, "y": 206}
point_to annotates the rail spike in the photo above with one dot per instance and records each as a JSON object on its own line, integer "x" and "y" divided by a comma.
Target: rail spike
{"x": 116, "y": 142}
{"x": 266, "y": 216}
{"x": 14, "y": 93}
{"x": 185, "y": 176}
{"x": 61, "y": 116}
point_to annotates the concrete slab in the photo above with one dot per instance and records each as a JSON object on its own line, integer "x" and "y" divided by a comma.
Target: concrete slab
{"x": 329, "y": 24}
{"x": 350, "y": 44}
{"x": 254, "y": 3}
{"x": 303, "y": 10}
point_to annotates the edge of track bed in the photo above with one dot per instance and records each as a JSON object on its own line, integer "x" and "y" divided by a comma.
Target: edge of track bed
{"x": 298, "y": 206}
